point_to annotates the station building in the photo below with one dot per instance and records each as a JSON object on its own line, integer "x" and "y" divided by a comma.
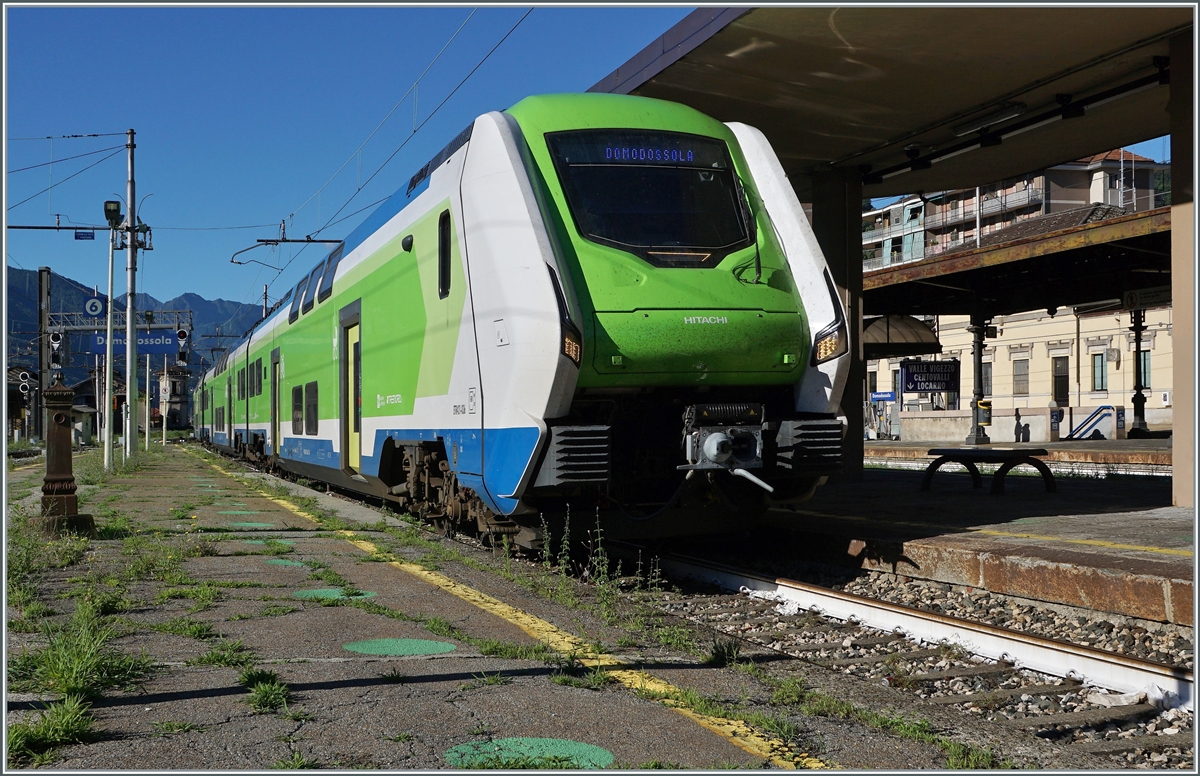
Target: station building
{"x": 1079, "y": 359}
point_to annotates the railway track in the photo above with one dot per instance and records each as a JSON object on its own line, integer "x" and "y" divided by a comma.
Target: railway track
{"x": 1095, "y": 701}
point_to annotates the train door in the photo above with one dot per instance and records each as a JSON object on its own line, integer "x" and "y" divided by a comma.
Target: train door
{"x": 350, "y": 385}
{"x": 275, "y": 402}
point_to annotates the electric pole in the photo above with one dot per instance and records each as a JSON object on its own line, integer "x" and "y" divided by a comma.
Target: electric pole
{"x": 131, "y": 364}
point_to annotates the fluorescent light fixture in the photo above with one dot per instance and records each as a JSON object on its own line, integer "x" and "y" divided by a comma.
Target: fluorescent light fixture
{"x": 1005, "y": 112}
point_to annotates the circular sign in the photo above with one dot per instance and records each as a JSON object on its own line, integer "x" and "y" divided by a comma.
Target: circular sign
{"x": 94, "y": 307}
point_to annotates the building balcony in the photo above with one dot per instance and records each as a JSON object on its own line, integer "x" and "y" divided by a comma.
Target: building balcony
{"x": 895, "y": 230}
{"x": 991, "y": 206}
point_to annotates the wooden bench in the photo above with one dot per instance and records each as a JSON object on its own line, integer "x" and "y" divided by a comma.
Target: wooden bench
{"x": 1007, "y": 457}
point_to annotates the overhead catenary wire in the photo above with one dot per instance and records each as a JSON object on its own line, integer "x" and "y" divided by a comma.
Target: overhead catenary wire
{"x": 64, "y": 159}
{"x": 69, "y": 177}
{"x": 68, "y": 137}
{"x": 427, "y": 118}
{"x": 403, "y": 97}
{"x": 334, "y": 218}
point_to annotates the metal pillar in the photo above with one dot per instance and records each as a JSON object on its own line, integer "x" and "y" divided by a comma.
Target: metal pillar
{"x": 837, "y": 223}
{"x": 1138, "y": 319}
{"x": 43, "y": 350}
{"x": 1183, "y": 270}
{"x": 131, "y": 364}
{"x": 109, "y": 414}
{"x": 60, "y": 506}
{"x": 978, "y": 329}
{"x": 147, "y": 402}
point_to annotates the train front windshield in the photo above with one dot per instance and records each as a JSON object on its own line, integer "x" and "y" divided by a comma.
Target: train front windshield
{"x": 670, "y": 198}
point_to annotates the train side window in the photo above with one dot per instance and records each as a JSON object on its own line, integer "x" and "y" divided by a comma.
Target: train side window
{"x": 297, "y": 297}
{"x": 310, "y": 408}
{"x": 331, "y": 265}
{"x": 298, "y": 410}
{"x": 444, "y": 255}
{"x": 241, "y": 384}
{"x": 310, "y": 294}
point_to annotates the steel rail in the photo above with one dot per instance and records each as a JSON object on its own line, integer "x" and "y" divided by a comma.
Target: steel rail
{"x": 1171, "y": 686}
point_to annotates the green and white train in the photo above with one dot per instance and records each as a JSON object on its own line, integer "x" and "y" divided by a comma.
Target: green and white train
{"x": 602, "y": 301}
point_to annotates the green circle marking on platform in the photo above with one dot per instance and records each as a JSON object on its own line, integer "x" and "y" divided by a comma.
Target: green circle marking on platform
{"x": 543, "y": 753}
{"x": 239, "y": 512}
{"x": 251, "y": 525}
{"x": 328, "y": 592}
{"x": 399, "y": 647}
{"x": 284, "y": 562}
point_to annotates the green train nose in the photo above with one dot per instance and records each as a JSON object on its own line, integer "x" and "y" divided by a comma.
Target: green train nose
{"x": 694, "y": 342}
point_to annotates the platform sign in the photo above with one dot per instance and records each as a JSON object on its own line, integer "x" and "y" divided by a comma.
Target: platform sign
{"x": 1142, "y": 298}
{"x": 883, "y": 395}
{"x": 929, "y": 376}
{"x": 85, "y": 234}
{"x": 94, "y": 307}
{"x": 156, "y": 342}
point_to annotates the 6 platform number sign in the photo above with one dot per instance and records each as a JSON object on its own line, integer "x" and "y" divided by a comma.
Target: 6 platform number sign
{"x": 94, "y": 307}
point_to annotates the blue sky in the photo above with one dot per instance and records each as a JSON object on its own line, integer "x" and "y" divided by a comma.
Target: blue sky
{"x": 243, "y": 114}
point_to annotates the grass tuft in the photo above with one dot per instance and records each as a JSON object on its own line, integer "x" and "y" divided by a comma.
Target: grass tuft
{"x": 233, "y": 654}
{"x": 68, "y": 721}
{"x": 297, "y": 762}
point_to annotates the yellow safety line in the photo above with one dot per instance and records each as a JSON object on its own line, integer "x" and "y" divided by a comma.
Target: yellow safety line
{"x": 738, "y": 733}
{"x": 735, "y": 731}
{"x": 1014, "y": 535}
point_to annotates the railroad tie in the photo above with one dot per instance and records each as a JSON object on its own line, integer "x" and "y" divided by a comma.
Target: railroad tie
{"x": 955, "y": 673}
{"x": 918, "y": 654}
{"x": 1118, "y": 745}
{"x": 1076, "y": 719}
{"x": 1039, "y": 689}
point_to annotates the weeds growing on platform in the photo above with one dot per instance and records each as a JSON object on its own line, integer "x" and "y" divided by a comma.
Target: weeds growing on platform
{"x": 68, "y": 721}
{"x": 77, "y": 660}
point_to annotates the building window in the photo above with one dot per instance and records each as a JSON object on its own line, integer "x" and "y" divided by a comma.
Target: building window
{"x": 896, "y": 384}
{"x": 987, "y": 378}
{"x": 1099, "y": 373}
{"x": 310, "y": 408}
{"x": 872, "y": 383}
{"x": 1144, "y": 360}
{"x": 1021, "y": 377}
{"x": 1061, "y": 372}
{"x": 298, "y": 410}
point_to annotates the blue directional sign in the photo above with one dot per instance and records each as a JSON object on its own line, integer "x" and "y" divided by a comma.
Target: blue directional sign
{"x": 929, "y": 376}
{"x": 94, "y": 307}
{"x": 158, "y": 342}
{"x": 883, "y": 395}
{"x": 85, "y": 234}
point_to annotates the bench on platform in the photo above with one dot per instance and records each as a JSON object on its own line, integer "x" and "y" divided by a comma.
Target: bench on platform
{"x": 1007, "y": 457}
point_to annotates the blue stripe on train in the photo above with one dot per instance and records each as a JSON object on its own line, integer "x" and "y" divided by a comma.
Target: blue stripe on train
{"x": 509, "y": 452}
{"x": 315, "y": 451}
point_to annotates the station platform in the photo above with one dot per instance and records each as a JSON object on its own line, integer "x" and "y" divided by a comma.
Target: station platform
{"x": 1143, "y": 456}
{"x": 1110, "y": 543}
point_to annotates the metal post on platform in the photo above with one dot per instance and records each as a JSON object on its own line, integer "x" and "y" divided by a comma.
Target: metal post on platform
{"x": 163, "y": 397}
{"x": 1138, "y": 319}
{"x": 147, "y": 402}
{"x": 977, "y": 328}
{"x": 109, "y": 414}
{"x": 131, "y": 365}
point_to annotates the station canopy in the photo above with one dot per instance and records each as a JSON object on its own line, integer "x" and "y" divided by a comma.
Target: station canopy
{"x": 872, "y": 87}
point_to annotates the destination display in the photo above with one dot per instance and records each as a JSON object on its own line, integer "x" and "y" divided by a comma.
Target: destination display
{"x": 638, "y": 147}
{"x": 155, "y": 342}
{"x": 929, "y": 376}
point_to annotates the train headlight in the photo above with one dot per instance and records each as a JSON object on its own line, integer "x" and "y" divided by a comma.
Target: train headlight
{"x": 833, "y": 340}
{"x": 829, "y": 344}
{"x": 572, "y": 348}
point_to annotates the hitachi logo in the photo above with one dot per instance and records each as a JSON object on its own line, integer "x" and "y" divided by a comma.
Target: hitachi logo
{"x": 705, "y": 319}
